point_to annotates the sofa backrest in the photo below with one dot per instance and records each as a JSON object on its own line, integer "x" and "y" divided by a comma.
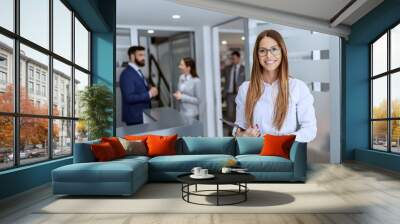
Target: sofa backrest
{"x": 249, "y": 145}
{"x": 83, "y": 153}
{"x": 206, "y": 145}
{"x": 189, "y": 146}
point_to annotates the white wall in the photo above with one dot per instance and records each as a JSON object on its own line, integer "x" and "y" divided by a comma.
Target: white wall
{"x": 204, "y": 65}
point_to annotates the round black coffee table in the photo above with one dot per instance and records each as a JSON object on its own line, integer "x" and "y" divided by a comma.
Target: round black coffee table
{"x": 238, "y": 179}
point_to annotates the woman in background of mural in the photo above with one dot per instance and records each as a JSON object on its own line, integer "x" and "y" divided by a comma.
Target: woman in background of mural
{"x": 189, "y": 85}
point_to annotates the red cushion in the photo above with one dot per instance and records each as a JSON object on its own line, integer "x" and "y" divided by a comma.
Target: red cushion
{"x": 277, "y": 145}
{"x": 103, "y": 151}
{"x": 136, "y": 137}
{"x": 161, "y": 145}
{"x": 116, "y": 145}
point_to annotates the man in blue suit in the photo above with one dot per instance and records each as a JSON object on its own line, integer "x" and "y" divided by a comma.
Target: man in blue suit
{"x": 136, "y": 92}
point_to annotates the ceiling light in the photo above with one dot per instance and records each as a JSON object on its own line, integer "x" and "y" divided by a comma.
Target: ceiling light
{"x": 243, "y": 38}
{"x": 224, "y": 42}
{"x": 176, "y": 16}
{"x": 150, "y": 31}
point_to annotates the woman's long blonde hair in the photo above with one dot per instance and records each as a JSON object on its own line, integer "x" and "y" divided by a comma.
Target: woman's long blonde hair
{"x": 256, "y": 87}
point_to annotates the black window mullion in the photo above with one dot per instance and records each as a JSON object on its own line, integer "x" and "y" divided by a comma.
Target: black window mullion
{"x": 16, "y": 84}
{"x": 36, "y": 116}
{"x": 50, "y": 79}
{"x": 89, "y": 54}
{"x": 389, "y": 113}
{"x": 84, "y": 70}
{"x": 371, "y": 124}
{"x": 73, "y": 82}
{"x": 371, "y": 98}
{"x": 386, "y": 73}
{"x": 384, "y": 119}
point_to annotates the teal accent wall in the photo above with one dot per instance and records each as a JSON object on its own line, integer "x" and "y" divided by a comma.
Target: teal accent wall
{"x": 380, "y": 159}
{"x": 103, "y": 64}
{"x": 103, "y": 53}
{"x": 27, "y": 177}
{"x": 99, "y": 16}
{"x": 357, "y": 98}
{"x": 90, "y": 11}
{"x": 356, "y": 84}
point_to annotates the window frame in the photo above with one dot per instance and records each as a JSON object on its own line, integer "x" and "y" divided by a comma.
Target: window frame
{"x": 388, "y": 74}
{"x": 16, "y": 114}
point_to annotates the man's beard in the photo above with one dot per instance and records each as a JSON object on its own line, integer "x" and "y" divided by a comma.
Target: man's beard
{"x": 140, "y": 63}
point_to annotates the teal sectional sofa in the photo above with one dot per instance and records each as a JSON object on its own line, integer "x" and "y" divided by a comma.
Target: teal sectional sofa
{"x": 125, "y": 176}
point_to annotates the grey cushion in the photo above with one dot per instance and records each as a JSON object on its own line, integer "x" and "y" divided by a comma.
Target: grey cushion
{"x": 134, "y": 147}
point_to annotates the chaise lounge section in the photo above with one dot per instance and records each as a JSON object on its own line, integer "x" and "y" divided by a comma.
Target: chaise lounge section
{"x": 88, "y": 177}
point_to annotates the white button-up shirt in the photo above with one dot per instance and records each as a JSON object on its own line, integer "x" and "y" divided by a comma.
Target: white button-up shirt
{"x": 300, "y": 119}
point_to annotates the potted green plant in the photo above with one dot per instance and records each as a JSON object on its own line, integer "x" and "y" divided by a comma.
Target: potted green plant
{"x": 96, "y": 103}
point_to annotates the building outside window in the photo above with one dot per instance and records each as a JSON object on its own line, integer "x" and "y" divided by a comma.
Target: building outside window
{"x": 3, "y": 72}
{"x": 3, "y": 78}
{"x": 30, "y": 72}
{"x": 43, "y": 90}
{"x": 43, "y": 77}
{"x": 37, "y": 74}
{"x": 3, "y": 60}
{"x": 38, "y": 89}
{"x": 30, "y": 87}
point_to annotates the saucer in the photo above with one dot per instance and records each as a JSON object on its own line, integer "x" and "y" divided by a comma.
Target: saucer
{"x": 208, "y": 176}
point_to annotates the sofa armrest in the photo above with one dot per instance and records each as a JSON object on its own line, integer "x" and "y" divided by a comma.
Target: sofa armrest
{"x": 83, "y": 152}
{"x": 298, "y": 155}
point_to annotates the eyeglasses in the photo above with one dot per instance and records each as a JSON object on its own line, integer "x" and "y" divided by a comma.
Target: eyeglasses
{"x": 275, "y": 51}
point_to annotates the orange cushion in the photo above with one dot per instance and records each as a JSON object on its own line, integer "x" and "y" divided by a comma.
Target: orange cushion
{"x": 161, "y": 145}
{"x": 116, "y": 145}
{"x": 277, "y": 145}
{"x": 103, "y": 151}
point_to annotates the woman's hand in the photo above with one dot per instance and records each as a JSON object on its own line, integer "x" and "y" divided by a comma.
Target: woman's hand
{"x": 178, "y": 95}
{"x": 249, "y": 132}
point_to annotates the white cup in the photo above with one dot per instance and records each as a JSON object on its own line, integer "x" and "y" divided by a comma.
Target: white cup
{"x": 226, "y": 170}
{"x": 196, "y": 171}
{"x": 203, "y": 172}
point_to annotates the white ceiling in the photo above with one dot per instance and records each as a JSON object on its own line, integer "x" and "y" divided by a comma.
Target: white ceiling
{"x": 159, "y": 13}
{"x": 313, "y": 15}
{"x": 320, "y": 9}
{"x": 237, "y": 24}
{"x": 305, "y": 14}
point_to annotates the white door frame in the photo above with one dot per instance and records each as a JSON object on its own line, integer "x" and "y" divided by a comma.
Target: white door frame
{"x": 217, "y": 71}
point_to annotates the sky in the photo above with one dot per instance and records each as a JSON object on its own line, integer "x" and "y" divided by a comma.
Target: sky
{"x": 380, "y": 66}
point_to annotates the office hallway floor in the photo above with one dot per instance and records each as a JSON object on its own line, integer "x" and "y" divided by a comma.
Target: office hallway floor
{"x": 378, "y": 189}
